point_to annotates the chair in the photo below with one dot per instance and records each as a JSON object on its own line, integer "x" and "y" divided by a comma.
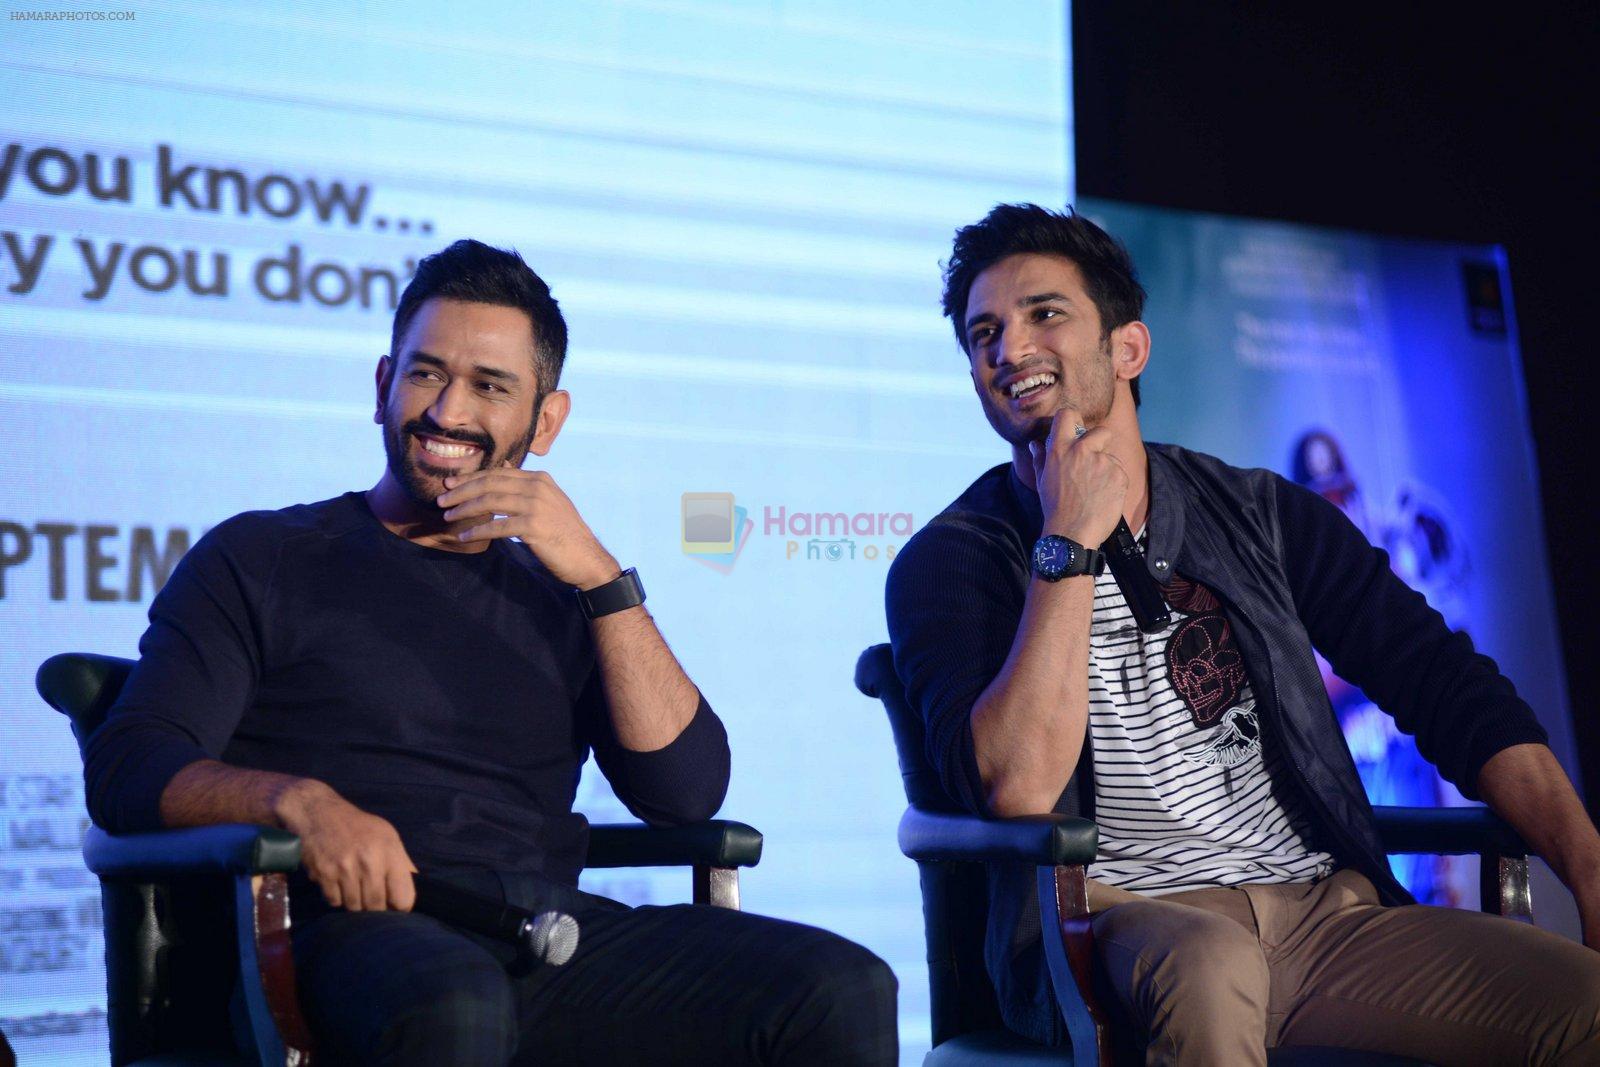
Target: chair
{"x": 952, "y": 847}
{"x": 197, "y": 920}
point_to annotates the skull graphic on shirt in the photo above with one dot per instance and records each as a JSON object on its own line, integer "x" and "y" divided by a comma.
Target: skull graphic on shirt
{"x": 1205, "y": 667}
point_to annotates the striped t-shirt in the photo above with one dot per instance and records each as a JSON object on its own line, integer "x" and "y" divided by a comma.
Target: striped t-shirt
{"x": 1183, "y": 787}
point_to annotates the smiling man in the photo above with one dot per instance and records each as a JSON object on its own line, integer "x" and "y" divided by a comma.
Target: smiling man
{"x": 1241, "y": 898}
{"x": 410, "y": 679}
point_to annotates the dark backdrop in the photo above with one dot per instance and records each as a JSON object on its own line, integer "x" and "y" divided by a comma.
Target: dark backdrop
{"x": 1429, "y": 124}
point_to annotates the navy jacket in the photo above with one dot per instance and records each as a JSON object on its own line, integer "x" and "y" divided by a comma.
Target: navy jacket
{"x": 1293, "y": 573}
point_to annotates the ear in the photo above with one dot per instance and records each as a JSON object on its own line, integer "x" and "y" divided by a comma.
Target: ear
{"x": 382, "y": 379}
{"x": 553, "y": 412}
{"x": 1130, "y": 350}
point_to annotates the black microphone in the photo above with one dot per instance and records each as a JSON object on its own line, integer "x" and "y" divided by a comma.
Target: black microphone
{"x": 548, "y": 937}
{"x": 1149, "y": 607}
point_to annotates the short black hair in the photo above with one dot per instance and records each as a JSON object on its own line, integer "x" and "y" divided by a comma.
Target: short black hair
{"x": 1015, "y": 229}
{"x": 482, "y": 274}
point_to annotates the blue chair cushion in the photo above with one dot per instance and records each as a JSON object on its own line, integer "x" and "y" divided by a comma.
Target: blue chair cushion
{"x": 982, "y": 1047}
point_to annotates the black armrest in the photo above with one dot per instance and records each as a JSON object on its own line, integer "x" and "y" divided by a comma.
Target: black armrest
{"x": 232, "y": 848}
{"x": 1447, "y": 831}
{"x": 82, "y": 686}
{"x": 1046, "y": 840}
{"x": 713, "y": 843}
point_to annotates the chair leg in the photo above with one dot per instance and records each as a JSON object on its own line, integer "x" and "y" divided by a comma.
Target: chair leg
{"x": 718, "y": 886}
{"x": 1064, "y": 907}
{"x": 266, "y": 970}
{"x": 1503, "y": 887}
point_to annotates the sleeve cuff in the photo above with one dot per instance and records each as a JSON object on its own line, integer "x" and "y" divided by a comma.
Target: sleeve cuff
{"x": 685, "y": 780}
{"x": 127, "y": 796}
{"x": 1494, "y": 737}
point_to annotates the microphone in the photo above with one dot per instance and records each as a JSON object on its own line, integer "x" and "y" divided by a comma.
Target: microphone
{"x": 548, "y": 937}
{"x": 1149, "y": 607}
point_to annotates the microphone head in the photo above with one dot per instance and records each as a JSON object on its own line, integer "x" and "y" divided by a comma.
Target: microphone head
{"x": 550, "y": 937}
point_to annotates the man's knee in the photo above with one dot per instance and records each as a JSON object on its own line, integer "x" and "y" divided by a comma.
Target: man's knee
{"x": 470, "y": 1018}
{"x": 383, "y": 987}
{"x": 853, "y": 974}
{"x": 841, "y": 1004}
{"x": 1569, "y": 992}
{"x": 1168, "y": 958}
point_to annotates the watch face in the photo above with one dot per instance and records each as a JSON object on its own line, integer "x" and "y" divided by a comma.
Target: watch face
{"x": 1053, "y": 556}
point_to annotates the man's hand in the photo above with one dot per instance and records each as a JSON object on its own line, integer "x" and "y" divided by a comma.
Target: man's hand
{"x": 511, "y": 502}
{"x": 1528, "y": 789}
{"x": 1082, "y": 487}
{"x": 354, "y": 856}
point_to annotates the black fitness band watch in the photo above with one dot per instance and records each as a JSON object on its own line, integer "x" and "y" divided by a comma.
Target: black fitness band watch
{"x": 619, "y": 594}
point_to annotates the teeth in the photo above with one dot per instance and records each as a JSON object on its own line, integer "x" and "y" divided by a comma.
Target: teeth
{"x": 449, "y": 451}
{"x": 1029, "y": 383}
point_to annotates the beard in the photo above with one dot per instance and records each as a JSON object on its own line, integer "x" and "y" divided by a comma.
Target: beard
{"x": 1014, "y": 432}
{"x": 1086, "y": 386}
{"x": 424, "y": 483}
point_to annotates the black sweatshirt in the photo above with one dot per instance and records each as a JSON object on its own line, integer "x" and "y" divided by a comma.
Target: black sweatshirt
{"x": 456, "y": 695}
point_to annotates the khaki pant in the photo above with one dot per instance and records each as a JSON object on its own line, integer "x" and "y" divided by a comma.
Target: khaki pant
{"x": 1218, "y": 976}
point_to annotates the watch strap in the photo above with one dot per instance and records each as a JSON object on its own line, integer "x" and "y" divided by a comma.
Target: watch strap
{"x": 619, "y": 594}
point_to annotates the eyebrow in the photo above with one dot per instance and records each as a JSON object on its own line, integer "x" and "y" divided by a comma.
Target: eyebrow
{"x": 481, "y": 370}
{"x": 1025, "y": 302}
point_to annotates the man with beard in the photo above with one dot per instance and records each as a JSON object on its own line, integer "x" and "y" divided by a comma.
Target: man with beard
{"x": 391, "y": 677}
{"x": 1241, "y": 898}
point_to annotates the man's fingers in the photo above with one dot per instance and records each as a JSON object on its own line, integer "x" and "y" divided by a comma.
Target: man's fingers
{"x": 1039, "y": 450}
{"x": 357, "y": 881}
{"x": 374, "y": 886}
{"x": 402, "y": 890}
{"x": 456, "y": 481}
{"x": 1095, "y": 439}
{"x": 459, "y": 487}
{"x": 1067, "y": 426}
{"x": 350, "y": 889}
{"x": 507, "y": 473}
{"x": 350, "y": 892}
{"x": 331, "y": 891}
{"x": 377, "y": 885}
{"x": 499, "y": 495}
{"x": 493, "y": 503}
{"x": 489, "y": 530}
{"x": 474, "y": 490}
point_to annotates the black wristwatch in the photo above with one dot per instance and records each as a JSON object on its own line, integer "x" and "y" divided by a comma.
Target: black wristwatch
{"x": 619, "y": 594}
{"x": 1056, "y": 557}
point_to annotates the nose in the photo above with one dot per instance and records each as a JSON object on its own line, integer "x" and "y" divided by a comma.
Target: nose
{"x": 452, "y": 406}
{"x": 1015, "y": 345}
